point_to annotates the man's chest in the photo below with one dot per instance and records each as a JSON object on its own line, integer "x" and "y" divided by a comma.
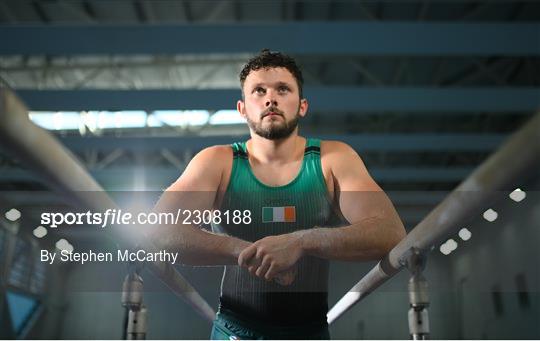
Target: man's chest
{"x": 277, "y": 176}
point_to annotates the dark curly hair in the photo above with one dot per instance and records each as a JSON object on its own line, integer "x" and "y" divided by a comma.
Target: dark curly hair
{"x": 270, "y": 59}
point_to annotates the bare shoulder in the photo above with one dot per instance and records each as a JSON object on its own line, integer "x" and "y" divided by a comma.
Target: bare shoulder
{"x": 217, "y": 154}
{"x": 334, "y": 156}
{"x": 345, "y": 166}
{"x": 337, "y": 151}
{"x": 211, "y": 160}
{"x": 206, "y": 170}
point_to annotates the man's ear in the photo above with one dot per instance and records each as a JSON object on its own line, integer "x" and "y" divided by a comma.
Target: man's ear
{"x": 240, "y": 106}
{"x": 303, "y": 107}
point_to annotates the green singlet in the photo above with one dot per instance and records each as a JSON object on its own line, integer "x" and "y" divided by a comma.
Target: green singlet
{"x": 256, "y": 210}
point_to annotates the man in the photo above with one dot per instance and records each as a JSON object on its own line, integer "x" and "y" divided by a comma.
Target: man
{"x": 293, "y": 191}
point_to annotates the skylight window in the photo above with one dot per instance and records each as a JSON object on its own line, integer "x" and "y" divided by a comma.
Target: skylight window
{"x": 226, "y": 117}
{"x": 95, "y": 120}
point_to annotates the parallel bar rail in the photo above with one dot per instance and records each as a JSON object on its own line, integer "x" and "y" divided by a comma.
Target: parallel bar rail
{"x": 41, "y": 152}
{"x": 519, "y": 157}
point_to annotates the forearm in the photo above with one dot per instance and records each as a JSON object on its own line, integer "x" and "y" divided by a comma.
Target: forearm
{"x": 369, "y": 239}
{"x": 194, "y": 245}
{"x": 199, "y": 247}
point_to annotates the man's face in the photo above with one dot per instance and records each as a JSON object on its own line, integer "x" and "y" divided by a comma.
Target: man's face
{"x": 272, "y": 105}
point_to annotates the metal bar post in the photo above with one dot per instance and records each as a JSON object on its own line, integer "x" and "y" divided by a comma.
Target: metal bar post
{"x": 132, "y": 299}
{"x": 418, "y": 296}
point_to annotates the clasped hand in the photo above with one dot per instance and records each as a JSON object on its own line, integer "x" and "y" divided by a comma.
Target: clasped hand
{"x": 273, "y": 258}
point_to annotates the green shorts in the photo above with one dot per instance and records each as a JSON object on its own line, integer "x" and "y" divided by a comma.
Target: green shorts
{"x": 229, "y": 327}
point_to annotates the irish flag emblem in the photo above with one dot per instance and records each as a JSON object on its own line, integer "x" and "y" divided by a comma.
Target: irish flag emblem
{"x": 285, "y": 214}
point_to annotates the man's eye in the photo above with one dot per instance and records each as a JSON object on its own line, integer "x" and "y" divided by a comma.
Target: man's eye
{"x": 260, "y": 90}
{"x": 283, "y": 89}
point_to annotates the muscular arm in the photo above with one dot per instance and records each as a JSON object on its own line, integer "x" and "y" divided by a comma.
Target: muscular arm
{"x": 196, "y": 189}
{"x": 375, "y": 227}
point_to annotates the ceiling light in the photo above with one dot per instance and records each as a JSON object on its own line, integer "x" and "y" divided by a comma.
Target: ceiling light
{"x": 13, "y": 214}
{"x": 490, "y": 215}
{"x": 465, "y": 234}
{"x": 517, "y": 195}
{"x": 40, "y": 232}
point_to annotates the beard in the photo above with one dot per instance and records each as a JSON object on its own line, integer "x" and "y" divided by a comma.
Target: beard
{"x": 275, "y": 130}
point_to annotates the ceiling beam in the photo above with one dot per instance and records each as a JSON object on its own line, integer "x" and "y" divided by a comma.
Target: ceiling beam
{"x": 321, "y": 99}
{"x": 361, "y": 142}
{"x": 300, "y": 38}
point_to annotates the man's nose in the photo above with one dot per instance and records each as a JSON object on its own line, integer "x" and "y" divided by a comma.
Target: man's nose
{"x": 270, "y": 98}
